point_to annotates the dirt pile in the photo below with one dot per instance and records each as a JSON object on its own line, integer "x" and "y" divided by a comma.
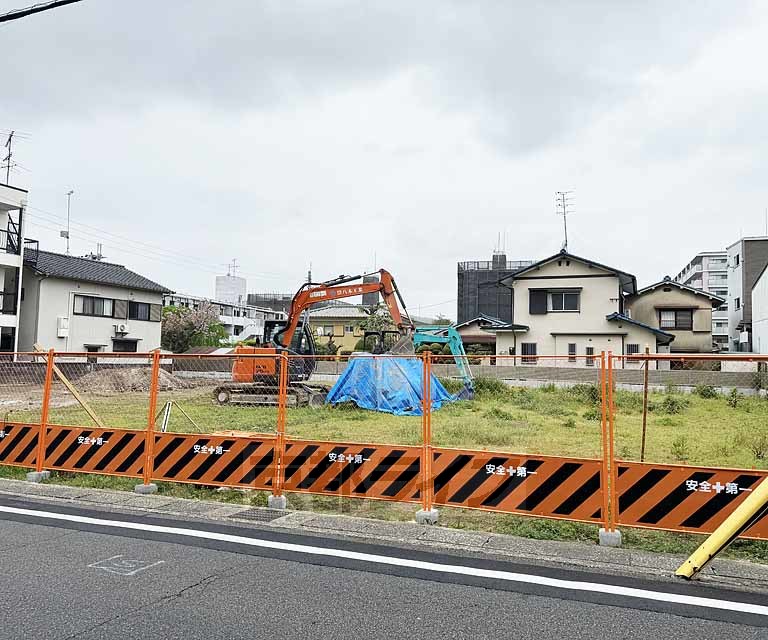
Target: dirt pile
{"x": 127, "y": 380}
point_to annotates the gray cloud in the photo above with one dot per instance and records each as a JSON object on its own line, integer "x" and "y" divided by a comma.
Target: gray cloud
{"x": 532, "y": 71}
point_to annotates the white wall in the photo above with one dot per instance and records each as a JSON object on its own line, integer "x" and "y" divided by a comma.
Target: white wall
{"x": 56, "y": 298}
{"x": 735, "y": 316}
{"x": 760, "y": 315}
{"x": 599, "y": 298}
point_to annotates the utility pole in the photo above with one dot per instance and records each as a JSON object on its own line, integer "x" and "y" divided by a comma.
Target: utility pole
{"x": 7, "y": 159}
{"x": 563, "y": 200}
{"x": 69, "y": 198}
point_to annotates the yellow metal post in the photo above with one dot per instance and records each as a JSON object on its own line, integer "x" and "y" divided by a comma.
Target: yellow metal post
{"x": 745, "y": 515}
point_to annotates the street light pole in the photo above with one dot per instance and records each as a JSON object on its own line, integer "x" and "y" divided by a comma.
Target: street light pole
{"x": 69, "y": 197}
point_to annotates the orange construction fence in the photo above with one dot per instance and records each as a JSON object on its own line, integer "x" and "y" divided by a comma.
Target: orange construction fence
{"x": 605, "y": 490}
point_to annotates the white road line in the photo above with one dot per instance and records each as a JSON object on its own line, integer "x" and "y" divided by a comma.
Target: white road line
{"x": 508, "y": 576}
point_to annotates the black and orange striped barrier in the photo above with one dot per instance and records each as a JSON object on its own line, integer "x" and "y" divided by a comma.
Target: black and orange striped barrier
{"x": 682, "y": 498}
{"x": 18, "y": 444}
{"x": 90, "y": 450}
{"x": 215, "y": 459}
{"x": 374, "y": 471}
{"x": 566, "y": 488}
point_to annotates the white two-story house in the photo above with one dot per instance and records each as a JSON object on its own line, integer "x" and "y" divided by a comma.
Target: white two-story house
{"x": 572, "y": 307}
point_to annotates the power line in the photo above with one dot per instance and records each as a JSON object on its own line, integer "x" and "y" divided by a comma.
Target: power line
{"x": 17, "y": 14}
{"x": 143, "y": 249}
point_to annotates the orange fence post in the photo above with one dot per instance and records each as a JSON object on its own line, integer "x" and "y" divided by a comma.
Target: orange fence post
{"x": 149, "y": 442}
{"x": 428, "y": 513}
{"x": 38, "y": 473}
{"x": 645, "y": 403}
{"x": 612, "y": 444}
{"x": 277, "y": 499}
{"x": 604, "y": 479}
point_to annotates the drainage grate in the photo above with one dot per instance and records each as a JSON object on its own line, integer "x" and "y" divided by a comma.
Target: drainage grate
{"x": 260, "y": 514}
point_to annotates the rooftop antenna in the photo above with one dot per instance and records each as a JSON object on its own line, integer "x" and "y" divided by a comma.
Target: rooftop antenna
{"x": 7, "y": 159}
{"x": 232, "y": 268}
{"x": 563, "y": 206}
{"x": 309, "y": 273}
{"x": 98, "y": 256}
{"x": 65, "y": 234}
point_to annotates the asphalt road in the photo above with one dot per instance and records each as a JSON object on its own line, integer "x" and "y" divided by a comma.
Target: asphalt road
{"x": 88, "y": 576}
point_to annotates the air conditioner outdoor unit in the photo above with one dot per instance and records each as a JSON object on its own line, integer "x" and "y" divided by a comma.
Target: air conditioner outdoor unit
{"x": 122, "y": 328}
{"x": 62, "y": 326}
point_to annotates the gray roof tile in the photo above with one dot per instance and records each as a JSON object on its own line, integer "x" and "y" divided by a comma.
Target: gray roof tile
{"x": 57, "y": 265}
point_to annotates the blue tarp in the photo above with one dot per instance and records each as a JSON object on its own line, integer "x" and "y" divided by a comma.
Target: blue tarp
{"x": 390, "y": 384}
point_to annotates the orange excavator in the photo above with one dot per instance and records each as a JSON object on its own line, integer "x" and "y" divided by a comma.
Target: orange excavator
{"x": 255, "y": 378}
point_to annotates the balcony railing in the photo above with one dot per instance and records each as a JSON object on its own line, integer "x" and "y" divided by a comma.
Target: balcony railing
{"x": 488, "y": 265}
{"x": 9, "y": 242}
{"x": 31, "y": 251}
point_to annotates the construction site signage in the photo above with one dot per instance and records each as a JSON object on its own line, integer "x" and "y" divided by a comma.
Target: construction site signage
{"x": 682, "y": 498}
{"x": 568, "y": 488}
{"x": 376, "y": 471}
{"x": 94, "y": 450}
{"x": 212, "y": 459}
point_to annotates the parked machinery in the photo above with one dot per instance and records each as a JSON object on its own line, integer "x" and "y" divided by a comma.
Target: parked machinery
{"x": 255, "y": 378}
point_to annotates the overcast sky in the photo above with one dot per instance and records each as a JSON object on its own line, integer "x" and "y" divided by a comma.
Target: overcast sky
{"x": 413, "y": 133}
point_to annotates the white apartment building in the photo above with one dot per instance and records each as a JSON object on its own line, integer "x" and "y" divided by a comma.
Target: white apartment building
{"x": 747, "y": 259}
{"x": 242, "y": 321}
{"x": 13, "y": 202}
{"x": 708, "y": 271}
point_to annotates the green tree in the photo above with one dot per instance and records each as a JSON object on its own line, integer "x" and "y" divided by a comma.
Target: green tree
{"x": 442, "y": 320}
{"x": 378, "y": 319}
{"x": 183, "y": 328}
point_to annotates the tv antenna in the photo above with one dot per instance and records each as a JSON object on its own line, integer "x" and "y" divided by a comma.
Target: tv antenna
{"x": 564, "y": 206}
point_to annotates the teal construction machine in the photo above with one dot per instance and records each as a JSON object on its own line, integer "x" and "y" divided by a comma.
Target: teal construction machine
{"x": 386, "y": 342}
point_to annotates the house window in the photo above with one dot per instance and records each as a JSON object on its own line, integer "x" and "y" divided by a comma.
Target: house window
{"x": 737, "y": 303}
{"x": 736, "y": 260}
{"x": 681, "y": 319}
{"x": 590, "y": 356}
{"x": 349, "y": 328}
{"x": 93, "y": 306}
{"x": 528, "y": 350}
{"x": 124, "y": 346}
{"x": 138, "y": 310}
{"x": 563, "y": 301}
{"x": 571, "y": 352}
{"x": 632, "y": 349}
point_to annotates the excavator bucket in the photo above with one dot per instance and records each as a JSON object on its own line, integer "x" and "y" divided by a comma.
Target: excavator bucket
{"x": 403, "y": 347}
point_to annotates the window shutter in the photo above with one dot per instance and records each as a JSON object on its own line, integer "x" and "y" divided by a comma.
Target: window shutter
{"x": 537, "y": 302}
{"x": 121, "y": 309}
{"x": 155, "y": 312}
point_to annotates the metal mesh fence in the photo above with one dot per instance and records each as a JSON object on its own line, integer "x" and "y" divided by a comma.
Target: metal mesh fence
{"x": 208, "y": 394}
{"x": 108, "y": 390}
{"x": 370, "y": 398}
{"x": 22, "y": 379}
{"x": 698, "y": 410}
{"x": 526, "y": 404}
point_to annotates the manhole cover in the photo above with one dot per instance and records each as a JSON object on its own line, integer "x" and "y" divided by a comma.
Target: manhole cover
{"x": 260, "y": 515}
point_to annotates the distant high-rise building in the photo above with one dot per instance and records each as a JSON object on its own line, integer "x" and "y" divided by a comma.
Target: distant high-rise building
{"x": 708, "y": 271}
{"x": 479, "y": 291}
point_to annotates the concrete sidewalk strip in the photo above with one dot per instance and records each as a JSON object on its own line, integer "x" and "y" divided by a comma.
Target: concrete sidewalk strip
{"x": 731, "y": 573}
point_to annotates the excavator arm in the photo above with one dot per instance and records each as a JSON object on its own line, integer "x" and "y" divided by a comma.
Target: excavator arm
{"x": 341, "y": 287}
{"x": 446, "y": 334}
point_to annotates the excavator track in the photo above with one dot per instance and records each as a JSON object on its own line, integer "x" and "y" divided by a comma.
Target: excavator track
{"x": 300, "y": 394}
